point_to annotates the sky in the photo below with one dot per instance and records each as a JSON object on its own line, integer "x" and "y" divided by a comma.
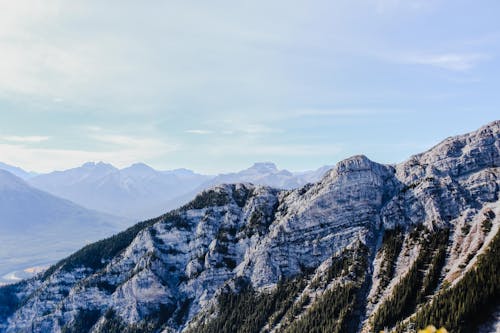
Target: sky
{"x": 215, "y": 86}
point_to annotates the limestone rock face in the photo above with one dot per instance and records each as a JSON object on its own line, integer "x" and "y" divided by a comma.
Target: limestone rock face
{"x": 313, "y": 223}
{"x": 173, "y": 268}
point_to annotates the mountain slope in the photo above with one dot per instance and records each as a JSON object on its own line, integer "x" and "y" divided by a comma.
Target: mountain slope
{"x": 135, "y": 192}
{"x": 16, "y": 171}
{"x": 38, "y": 228}
{"x": 367, "y": 247}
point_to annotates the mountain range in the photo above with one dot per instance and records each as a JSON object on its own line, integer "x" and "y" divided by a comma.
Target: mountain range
{"x": 140, "y": 192}
{"x": 135, "y": 192}
{"x": 366, "y": 248}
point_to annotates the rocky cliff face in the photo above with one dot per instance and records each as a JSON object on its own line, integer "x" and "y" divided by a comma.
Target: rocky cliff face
{"x": 338, "y": 253}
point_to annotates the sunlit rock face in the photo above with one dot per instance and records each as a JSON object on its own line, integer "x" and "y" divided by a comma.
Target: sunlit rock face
{"x": 169, "y": 271}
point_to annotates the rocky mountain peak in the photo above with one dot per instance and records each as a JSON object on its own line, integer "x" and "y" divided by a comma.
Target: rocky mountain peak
{"x": 359, "y": 171}
{"x": 353, "y": 164}
{"x": 456, "y": 156}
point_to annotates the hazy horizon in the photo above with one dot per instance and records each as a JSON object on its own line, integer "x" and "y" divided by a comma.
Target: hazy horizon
{"x": 224, "y": 170}
{"x": 214, "y": 87}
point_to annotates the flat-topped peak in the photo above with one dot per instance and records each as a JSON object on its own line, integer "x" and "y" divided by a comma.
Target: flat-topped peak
{"x": 264, "y": 167}
{"x": 354, "y": 163}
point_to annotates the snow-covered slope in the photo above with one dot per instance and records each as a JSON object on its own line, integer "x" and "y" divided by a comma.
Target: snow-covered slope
{"x": 368, "y": 246}
{"x": 38, "y": 228}
{"x": 136, "y": 192}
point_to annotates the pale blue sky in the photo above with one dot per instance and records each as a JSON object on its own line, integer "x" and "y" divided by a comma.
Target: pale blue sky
{"x": 217, "y": 85}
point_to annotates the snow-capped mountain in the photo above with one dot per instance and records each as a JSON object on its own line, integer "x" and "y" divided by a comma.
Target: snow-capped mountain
{"x": 141, "y": 192}
{"x": 368, "y": 246}
{"x": 136, "y": 192}
{"x": 38, "y": 228}
{"x": 266, "y": 173}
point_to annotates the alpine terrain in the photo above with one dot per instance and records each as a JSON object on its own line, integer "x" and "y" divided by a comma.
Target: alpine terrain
{"x": 368, "y": 247}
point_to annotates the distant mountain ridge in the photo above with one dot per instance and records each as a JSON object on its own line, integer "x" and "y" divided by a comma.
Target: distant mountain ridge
{"x": 260, "y": 173}
{"x": 369, "y": 246}
{"x": 141, "y": 192}
{"x": 17, "y": 171}
{"x": 263, "y": 173}
{"x": 132, "y": 192}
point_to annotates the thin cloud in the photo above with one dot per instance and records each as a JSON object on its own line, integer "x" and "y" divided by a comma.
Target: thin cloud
{"x": 339, "y": 112}
{"x": 133, "y": 144}
{"x": 449, "y": 61}
{"x": 384, "y": 6}
{"x": 238, "y": 127}
{"x": 25, "y": 139}
{"x": 275, "y": 150}
{"x": 46, "y": 160}
{"x": 120, "y": 150}
{"x": 259, "y": 129}
{"x": 198, "y": 131}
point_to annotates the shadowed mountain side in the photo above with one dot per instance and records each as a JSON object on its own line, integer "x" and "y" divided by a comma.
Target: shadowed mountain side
{"x": 39, "y": 228}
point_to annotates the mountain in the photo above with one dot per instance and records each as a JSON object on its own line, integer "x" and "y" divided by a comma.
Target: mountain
{"x": 261, "y": 173}
{"x": 140, "y": 191}
{"x": 369, "y": 246}
{"x": 266, "y": 173}
{"x": 136, "y": 192}
{"x": 38, "y": 228}
{"x": 17, "y": 171}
